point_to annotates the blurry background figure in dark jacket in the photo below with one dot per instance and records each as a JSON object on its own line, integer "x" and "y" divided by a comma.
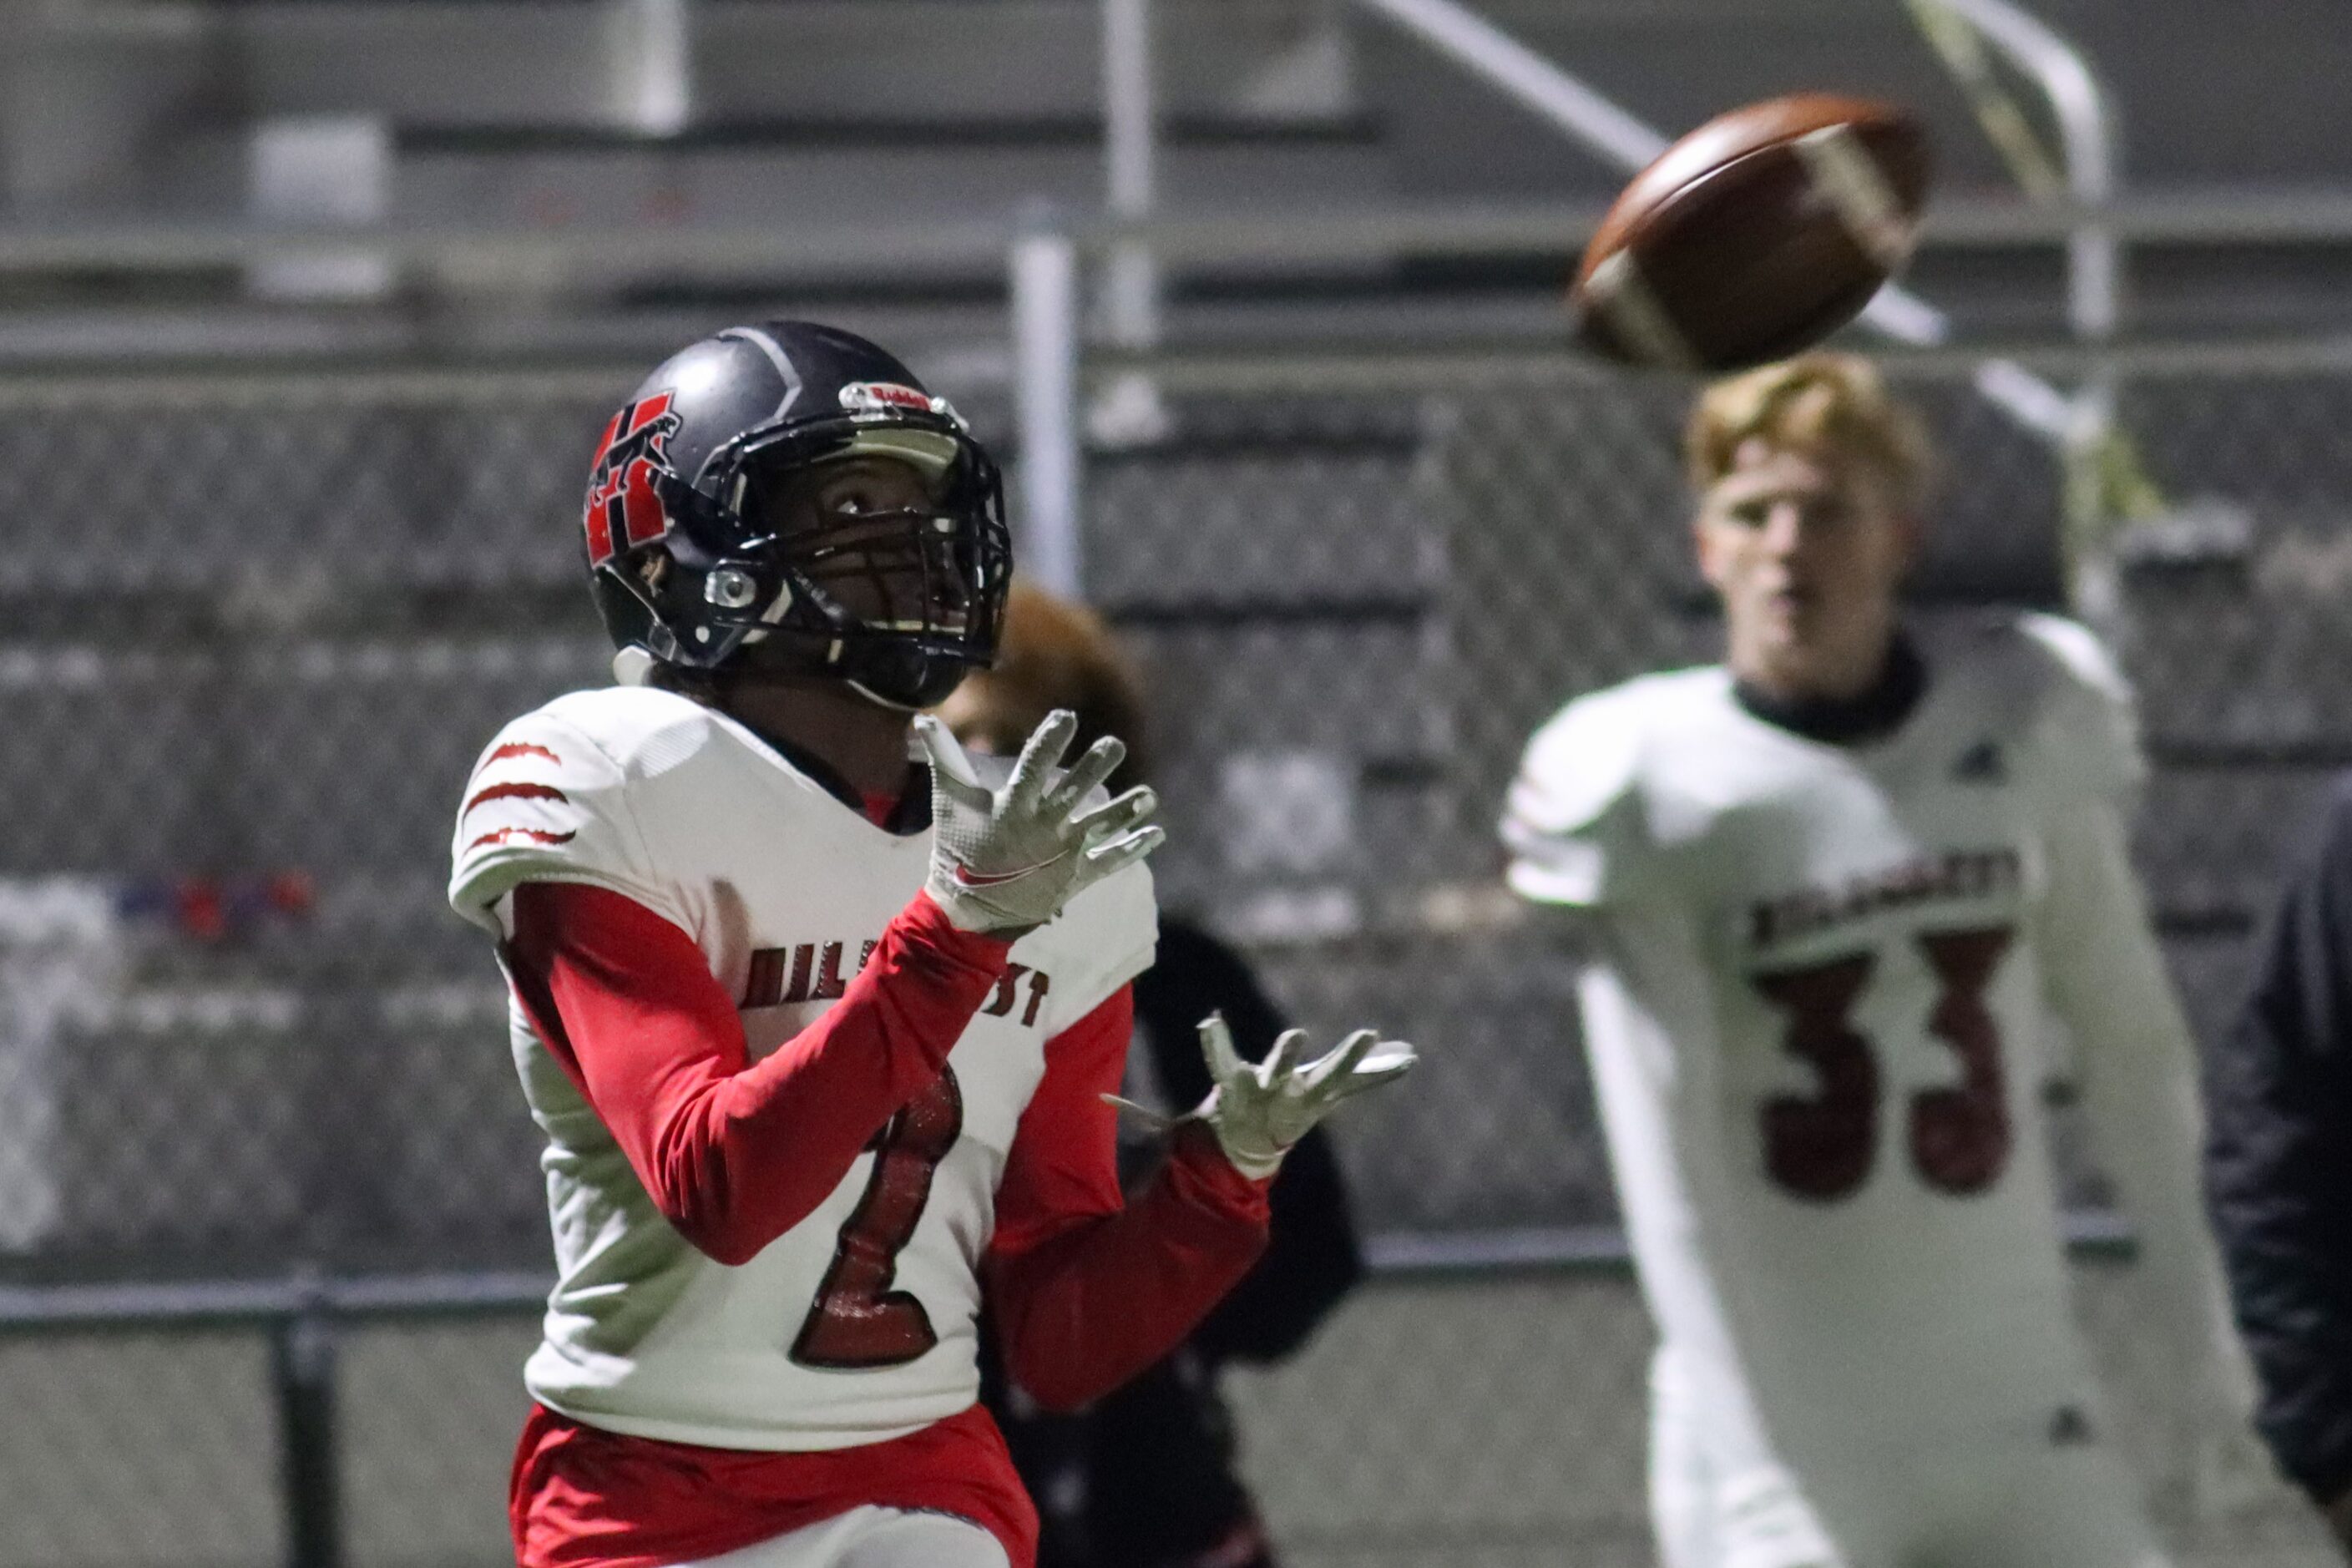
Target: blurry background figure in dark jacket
{"x": 1146, "y": 1478}
{"x": 2278, "y": 1169}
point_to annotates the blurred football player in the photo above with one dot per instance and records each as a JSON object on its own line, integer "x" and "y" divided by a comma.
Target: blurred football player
{"x": 1835, "y": 892}
{"x": 1148, "y": 1476}
{"x": 819, "y": 1035}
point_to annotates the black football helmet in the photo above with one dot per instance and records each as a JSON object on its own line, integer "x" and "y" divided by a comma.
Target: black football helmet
{"x": 705, "y": 553}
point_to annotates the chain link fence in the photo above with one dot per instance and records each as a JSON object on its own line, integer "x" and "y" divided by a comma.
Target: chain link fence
{"x": 256, "y": 627}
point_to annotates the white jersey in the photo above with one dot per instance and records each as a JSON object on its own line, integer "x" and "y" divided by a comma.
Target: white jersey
{"x": 1821, "y": 1022}
{"x": 784, "y": 888}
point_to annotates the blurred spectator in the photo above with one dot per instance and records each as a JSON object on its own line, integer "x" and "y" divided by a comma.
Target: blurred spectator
{"x": 2278, "y": 1169}
{"x": 1146, "y": 1478}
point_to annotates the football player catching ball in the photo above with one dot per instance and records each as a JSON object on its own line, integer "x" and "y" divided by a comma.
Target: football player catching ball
{"x": 1835, "y": 893}
{"x": 818, "y": 1014}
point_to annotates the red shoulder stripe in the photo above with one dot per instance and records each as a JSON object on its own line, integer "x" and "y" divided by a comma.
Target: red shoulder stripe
{"x": 520, "y": 749}
{"x": 535, "y": 835}
{"x": 517, "y": 792}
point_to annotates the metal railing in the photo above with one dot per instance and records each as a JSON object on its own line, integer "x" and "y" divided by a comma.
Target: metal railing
{"x": 2085, "y": 127}
{"x": 1621, "y": 139}
{"x": 2076, "y": 424}
{"x": 2108, "y": 480}
{"x": 488, "y": 255}
{"x": 1587, "y": 117}
{"x": 304, "y": 1319}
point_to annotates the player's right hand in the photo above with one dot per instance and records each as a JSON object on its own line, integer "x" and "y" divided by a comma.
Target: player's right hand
{"x": 1006, "y": 861}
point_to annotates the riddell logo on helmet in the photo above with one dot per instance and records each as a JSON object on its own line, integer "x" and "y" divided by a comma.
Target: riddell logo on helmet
{"x": 881, "y": 396}
{"x": 623, "y": 510}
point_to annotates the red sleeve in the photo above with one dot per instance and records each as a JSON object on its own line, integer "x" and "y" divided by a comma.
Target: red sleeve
{"x": 736, "y": 1153}
{"x": 1088, "y": 1293}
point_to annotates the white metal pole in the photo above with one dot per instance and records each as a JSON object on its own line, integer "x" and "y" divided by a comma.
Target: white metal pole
{"x": 652, "y": 44}
{"x": 1130, "y": 151}
{"x": 2086, "y": 130}
{"x": 1127, "y": 410}
{"x": 1044, "y": 277}
{"x": 1493, "y": 55}
{"x": 2102, "y": 483}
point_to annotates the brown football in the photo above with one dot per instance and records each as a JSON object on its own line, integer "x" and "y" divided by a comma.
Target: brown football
{"x": 1756, "y": 236}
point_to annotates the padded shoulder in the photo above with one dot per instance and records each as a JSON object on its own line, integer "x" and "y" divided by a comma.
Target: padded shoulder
{"x": 550, "y": 799}
{"x": 2089, "y": 721}
{"x": 2073, "y": 653}
{"x": 646, "y": 732}
{"x": 2061, "y": 696}
{"x": 1574, "y": 822}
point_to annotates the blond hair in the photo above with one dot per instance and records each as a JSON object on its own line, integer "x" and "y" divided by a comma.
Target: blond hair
{"x": 1819, "y": 403}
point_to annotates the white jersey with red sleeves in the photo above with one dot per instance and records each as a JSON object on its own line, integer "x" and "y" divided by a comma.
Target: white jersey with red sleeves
{"x": 1821, "y": 1022}
{"x": 785, "y": 889}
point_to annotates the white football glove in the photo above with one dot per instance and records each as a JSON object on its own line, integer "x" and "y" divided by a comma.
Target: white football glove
{"x": 1258, "y": 1109}
{"x": 1008, "y": 860}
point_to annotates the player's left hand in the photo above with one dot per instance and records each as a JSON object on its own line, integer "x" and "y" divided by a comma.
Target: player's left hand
{"x": 1258, "y": 1109}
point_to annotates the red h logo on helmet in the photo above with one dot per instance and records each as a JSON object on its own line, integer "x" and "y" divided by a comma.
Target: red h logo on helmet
{"x": 623, "y": 510}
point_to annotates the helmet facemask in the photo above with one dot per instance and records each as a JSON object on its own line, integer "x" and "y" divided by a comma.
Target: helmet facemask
{"x": 876, "y": 554}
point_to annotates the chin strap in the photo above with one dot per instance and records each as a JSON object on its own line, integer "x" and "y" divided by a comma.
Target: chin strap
{"x": 879, "y": 700}
{"x": 899, "y": 678}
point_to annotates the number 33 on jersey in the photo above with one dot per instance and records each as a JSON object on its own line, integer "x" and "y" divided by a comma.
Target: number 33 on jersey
{"x": 1853, "y": 927}
{"x": 1820, "y": 1145}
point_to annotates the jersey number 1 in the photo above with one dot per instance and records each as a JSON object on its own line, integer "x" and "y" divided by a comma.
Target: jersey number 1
{"x": 857, "y": 1321}
{"x": 1819, "y": 1146}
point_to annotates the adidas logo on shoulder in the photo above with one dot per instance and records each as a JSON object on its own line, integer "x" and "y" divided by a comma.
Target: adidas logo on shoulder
{"x": 1981, "y": 764}
{"x": 2070, "y": 1427}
